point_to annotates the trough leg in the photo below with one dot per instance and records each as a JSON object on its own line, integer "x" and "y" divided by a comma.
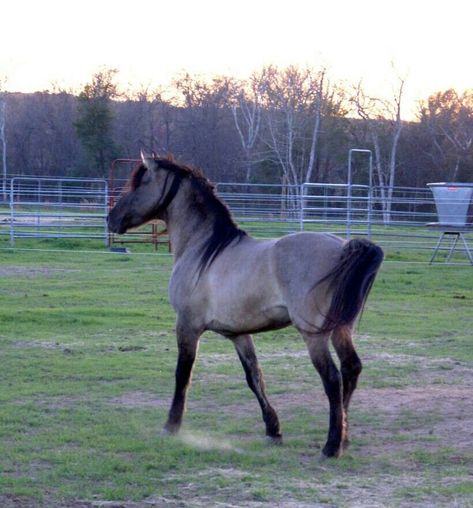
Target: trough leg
{"x": 319, "y": 352}
{"x": 254, "y": 377}
{"x": 187, "y": 342}
{"x": 350, "y": 366}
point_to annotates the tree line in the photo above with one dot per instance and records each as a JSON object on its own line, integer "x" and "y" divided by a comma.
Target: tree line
{"x": 281, "y": 125}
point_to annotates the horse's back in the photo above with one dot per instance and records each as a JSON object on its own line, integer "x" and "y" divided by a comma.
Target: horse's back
{"x": 306, "y": 256}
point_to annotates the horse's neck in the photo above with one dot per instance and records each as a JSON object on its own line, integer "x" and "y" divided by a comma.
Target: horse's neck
{"x": 186, "y": 229}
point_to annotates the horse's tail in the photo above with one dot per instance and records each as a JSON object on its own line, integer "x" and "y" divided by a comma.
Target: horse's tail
{"x": 350, "y": 282}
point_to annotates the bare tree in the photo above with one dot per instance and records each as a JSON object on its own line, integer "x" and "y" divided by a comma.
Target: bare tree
{"x": 448, "y": 118}
{"x": 296, "y": 101}
{"x": 246, "y": 111}
{"x": 144, "y": 121}
{"x": 384, "y": 125}
{"x": 295, "y": 104}
{"x": 206, "y": 124}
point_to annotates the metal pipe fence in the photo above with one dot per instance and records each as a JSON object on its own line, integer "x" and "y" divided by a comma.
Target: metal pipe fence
{"x": 327, "y": 203}
{"x": 56, "y": 208}
{"x": 77, "y": 208}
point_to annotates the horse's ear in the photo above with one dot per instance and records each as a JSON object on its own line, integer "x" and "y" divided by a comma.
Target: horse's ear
{"x": 148, "y": 161}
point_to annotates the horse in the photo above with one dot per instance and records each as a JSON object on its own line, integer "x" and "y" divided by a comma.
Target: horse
{"x": 229, "y": 282}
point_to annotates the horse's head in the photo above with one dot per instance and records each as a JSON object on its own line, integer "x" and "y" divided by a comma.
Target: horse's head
{"x": 149, "y": 191}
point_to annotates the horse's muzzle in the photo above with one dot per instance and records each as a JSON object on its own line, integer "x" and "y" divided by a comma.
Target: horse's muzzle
{"x": 114, "y": 225}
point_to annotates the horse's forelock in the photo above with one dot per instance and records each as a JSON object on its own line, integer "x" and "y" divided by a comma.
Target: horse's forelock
{"x": 168, "y": 164}
{"x": 135, "y": 178}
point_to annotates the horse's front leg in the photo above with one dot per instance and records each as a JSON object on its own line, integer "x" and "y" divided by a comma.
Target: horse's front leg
{"x": 187, "y": 343}
{"x": 254, "y": 377}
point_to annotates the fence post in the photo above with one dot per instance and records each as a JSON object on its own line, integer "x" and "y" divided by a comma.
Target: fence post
{"x": 105, "y": 207}
{"x": 12, "y": 213}
{"x": 349, "y": 188}
{"x": 302, "y": 206}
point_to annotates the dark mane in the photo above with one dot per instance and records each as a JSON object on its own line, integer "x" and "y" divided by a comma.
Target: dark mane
{"x": 206, "y": 203}
{"x": 135, "y": 178}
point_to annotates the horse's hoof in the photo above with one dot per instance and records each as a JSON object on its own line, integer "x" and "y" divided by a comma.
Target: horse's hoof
{"x": 274, "y": 440}
{"x": 329, "y": 453}
{"x": 324, "y": 458}
{"x": 169, "y": 430}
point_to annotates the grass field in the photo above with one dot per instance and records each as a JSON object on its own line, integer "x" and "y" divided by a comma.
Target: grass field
{"x": 87, "y": 357}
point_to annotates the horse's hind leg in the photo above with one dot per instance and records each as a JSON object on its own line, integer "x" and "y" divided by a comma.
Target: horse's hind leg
{"x": 254, "y": 377}
{"x": 319, "y": 352}
{"x": 350, "y": 366}
{"x": 187, "y": 342}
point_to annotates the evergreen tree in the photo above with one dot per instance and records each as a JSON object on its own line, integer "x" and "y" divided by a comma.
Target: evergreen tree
{"x": 95, "y": 120}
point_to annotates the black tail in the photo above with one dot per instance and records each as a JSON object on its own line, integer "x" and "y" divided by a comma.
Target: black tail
{"x": 351, "y": 281}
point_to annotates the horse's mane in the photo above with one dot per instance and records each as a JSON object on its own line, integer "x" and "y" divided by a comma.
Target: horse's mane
{"x": 206, "y": 202}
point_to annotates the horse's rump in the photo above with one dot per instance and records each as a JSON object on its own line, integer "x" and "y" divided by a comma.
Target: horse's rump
{"x": 351, "y": 281}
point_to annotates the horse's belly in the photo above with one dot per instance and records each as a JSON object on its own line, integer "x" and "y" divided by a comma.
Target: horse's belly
{"x": 239, "y": 319}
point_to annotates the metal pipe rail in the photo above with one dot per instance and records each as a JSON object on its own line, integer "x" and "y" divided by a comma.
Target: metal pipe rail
{"x": 77, "y": 208}
{"x": 57, "y": 208}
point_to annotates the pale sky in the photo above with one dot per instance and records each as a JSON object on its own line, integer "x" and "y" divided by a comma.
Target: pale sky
{"x": 430, "y": 42}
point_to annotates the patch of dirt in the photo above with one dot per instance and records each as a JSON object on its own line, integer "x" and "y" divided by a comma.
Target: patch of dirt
{"x": 434, "y": 398}
{"x": 439, "y": 416}
{"x": 27, "y": 344}
{"x": 427, "y": 370}
{"x": 32, "y": 272}
{"x": 140, "y": 399}
{"x": 439, "y": 413}
{"x": 11, "y": 501}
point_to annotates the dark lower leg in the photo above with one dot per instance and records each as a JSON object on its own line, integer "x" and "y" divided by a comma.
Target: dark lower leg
{"x": 331, "y": 379}
{"x": 350, "y": 368}
{"x": 333, "y": 388}
{"x": 254, "y": 377}
{"x": 185, "y": 362}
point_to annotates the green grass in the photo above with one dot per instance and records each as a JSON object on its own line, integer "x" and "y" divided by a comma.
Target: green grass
{"x": 87, "y": 356}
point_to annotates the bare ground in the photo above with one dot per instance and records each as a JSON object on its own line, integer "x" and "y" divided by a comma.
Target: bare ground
{"x": 388, "y": 425}
{"x": 31, "y": 271}
{"x": 442, "y": 411}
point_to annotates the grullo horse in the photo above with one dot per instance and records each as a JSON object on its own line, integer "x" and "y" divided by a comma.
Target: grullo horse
{"x": 226, "y": 281}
